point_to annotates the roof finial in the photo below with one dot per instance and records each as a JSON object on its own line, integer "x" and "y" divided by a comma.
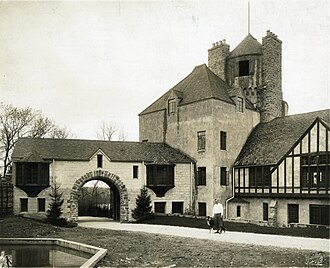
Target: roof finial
{"x": 248, "y": 17}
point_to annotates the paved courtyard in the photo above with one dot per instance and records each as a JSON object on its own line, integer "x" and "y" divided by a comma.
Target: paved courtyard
{"x": 233, "y": 237}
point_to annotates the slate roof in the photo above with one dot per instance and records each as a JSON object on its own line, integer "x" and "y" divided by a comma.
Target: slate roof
{"x": 200, "y": 84}
{"x": 270, "y": 141}
{"x": 248, "y": 46}
{"x": 82, "y": 150}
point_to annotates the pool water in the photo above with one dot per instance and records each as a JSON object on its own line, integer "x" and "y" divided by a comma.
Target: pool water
{"x": 41, "y": 256}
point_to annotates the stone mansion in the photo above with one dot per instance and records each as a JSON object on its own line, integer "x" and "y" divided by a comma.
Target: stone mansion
{"x": 222, "y": 132}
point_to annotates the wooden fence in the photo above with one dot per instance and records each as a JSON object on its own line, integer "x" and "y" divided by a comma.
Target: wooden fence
{"x": 6, "y": 198}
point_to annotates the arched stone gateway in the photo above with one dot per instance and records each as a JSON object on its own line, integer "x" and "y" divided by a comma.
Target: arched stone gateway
{"x": 109, "y": 178}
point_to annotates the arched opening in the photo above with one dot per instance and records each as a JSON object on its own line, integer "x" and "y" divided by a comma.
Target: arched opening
{"x": 99, "y": 199}
{"x": 119, "y": 194}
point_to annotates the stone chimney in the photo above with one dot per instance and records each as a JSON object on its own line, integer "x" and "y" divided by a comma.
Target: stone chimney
{"x": 217, "y": 56}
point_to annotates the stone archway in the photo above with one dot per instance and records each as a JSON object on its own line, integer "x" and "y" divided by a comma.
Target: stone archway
{"x": 106, "y": 177}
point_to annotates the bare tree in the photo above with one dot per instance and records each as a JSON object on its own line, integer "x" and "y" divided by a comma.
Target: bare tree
{"x": 13, "y": 124}
{"x": 23, "y": 122}
{"x": 122, "y": 135}
{"x": 106, "y": 131}
{"x": 109, "y": 131}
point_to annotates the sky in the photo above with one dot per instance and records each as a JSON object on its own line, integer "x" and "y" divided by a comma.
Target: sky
{"x": 82, "y": 63}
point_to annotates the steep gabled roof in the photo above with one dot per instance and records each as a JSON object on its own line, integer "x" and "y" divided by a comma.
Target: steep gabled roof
{"x": 248, "y": 46}
{"x": 83, "y": 150}
{"x": 200, "y": 84}
{"x": 270, "y": 141}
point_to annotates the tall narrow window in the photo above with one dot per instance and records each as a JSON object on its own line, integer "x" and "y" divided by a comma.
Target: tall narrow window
{"x": 135, "y": 172}
{"x": 24, "y": 204}
{"x": 223, "y": 140}
{"x": 99, "y": 161}
{"x": 238, "y": 211}
{"x": 243, "y": 67}
{"x": 201, "y": 143}
{"x": 239, "y": 104}
{"x": 265, "y": 211}
{"x": 171, "y": 106}
{"x": 41, "y": 204}
{"x": 201, "y": 176}
{"x": 223, "y": 176}
{"x": 201, "y": 209}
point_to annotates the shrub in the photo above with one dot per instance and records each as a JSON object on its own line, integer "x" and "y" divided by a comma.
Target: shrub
{"x": 143, "y": 207}
{"x": 55, "y": 207}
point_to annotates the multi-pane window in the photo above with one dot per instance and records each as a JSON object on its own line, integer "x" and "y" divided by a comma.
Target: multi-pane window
{"x": 239, "y": 104}
{"x": 177, "y": 207}
{"x": 223, "y": 176}
{"x": 314, "y": 169}
{"x": 201, "y": 176}
{"x": 201, "y": 209}
{"x": 24, "y": 204}
{"x": 99, "y": 161}
{"x": 259, "y": 176}
{"x": 41, "y": 204}
{"x": 238, "y": 211}
{"x": 293, "y": 213}
{"x": 160, "y": 175}
{"x": 201, "y": 140}
{"x": 319, "y": 214}
{"x": 223, "y": 140}
{"x": 160, "y": 207}
{"x": 135, "y": 172}
{"x": 171, "y": 106}
{"x": 32, "y": 174}
{"x": 243, "y": 67}
{"x": 265, "y": 211}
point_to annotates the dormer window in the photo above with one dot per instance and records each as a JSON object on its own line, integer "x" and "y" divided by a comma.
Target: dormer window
{"x": 171, "y": 106}
{"x": 243, "y": 68}
{"x": 100, "y": 161}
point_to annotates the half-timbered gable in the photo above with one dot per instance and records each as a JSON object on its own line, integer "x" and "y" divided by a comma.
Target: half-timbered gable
{"x": 284, "y": 164}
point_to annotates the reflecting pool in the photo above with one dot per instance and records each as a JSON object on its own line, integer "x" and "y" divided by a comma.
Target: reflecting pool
{"x": 41, "y": 256}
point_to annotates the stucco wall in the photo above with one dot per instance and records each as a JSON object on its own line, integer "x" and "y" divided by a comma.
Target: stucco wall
{"x": 211, "y": 116}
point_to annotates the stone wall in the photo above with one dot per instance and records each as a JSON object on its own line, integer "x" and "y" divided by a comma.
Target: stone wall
{"x": 71, "y": 175}
{"x": 211, "y": 116}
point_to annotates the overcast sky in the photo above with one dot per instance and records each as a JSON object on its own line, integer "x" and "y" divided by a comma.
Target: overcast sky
{"x": 82, "y": 63}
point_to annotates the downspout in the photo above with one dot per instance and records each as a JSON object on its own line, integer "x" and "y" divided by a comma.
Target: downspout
{"x": 233, "y": 193}
{"x": 191, "y": 188}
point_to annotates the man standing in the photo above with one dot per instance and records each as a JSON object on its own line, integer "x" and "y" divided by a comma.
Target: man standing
{"x": 217, "y": 215}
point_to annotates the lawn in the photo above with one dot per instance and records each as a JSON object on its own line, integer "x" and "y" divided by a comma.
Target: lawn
{"x": 315, "y": 232}
{"x": 137, "y": 249}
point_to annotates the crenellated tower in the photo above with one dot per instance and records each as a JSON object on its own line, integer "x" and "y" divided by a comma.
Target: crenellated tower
{"x": 255, "y": 70}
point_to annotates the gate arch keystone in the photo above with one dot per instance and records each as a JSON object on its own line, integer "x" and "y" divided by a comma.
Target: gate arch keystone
{"x": 107, "y": 177}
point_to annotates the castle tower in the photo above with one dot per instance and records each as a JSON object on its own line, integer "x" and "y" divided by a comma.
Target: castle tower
{"x": 255, "y": 69}
{"x": 272, "y": 96}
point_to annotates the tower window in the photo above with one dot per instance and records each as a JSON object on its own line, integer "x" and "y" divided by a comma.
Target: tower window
{"x": 239, "y": 104}
{"x": 201, "y": 176}
{"x": 223, "y": 176}
{"x": 223, "y": 140}
{"x": 243, "y": 67}
{"x": 201, "y": 140}
{"x": 171, "y": 106}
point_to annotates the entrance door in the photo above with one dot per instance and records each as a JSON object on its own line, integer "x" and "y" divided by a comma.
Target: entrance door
{"x": 293, "y": 213}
